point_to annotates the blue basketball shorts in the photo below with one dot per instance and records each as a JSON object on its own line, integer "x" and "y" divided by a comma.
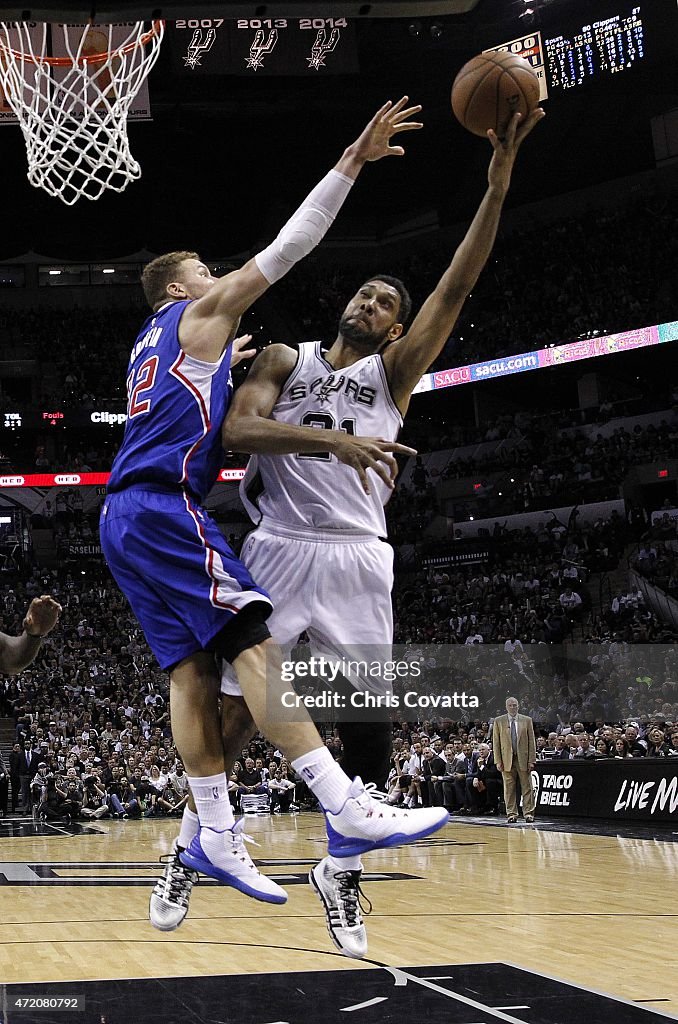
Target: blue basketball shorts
{"x": 170, "y": 560}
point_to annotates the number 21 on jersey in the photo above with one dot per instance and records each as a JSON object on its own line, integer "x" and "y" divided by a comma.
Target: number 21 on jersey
{"x": 138, "y": 383}
{"x": 324, "y": 421}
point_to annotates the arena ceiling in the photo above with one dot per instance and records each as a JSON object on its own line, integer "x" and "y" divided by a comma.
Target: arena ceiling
{"x": 227, "y": 157}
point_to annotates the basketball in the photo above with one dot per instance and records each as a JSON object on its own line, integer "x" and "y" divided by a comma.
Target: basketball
{"x": 491, "y": 88}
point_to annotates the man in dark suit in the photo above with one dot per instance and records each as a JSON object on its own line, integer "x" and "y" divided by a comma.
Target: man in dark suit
{"x": 15, "y": 756}
{"x": 4, "y": 787}
{"x": 464, "y": 772}
{"x": 562, "y": 749}
{"x": 489, "y": 784}
{"x": 433, "y": 771}
{"x": 28, "y": 766}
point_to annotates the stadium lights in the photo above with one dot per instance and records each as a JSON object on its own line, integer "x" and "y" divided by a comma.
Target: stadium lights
{"x": 54, "y": 273}
{"x": 108, "y": 270}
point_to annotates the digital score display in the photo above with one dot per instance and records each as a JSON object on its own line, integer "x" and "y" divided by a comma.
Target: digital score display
{"x": 605, "y": 47}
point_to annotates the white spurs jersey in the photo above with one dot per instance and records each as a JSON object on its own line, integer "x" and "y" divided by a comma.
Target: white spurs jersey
{"x": 317, "y": 491}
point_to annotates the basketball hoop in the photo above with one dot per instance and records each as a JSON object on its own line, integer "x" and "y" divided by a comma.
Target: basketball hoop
{"x": 73, "y": 108}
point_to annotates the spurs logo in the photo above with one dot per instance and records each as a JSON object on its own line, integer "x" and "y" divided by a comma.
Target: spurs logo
{"x": 330, "y": 384}
{"x": 322, "y": 46}
{"x": 259, "y": 48}
{"x": 201, "y": 43}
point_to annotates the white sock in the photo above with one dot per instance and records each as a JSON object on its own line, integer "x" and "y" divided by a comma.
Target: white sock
{"x": 324, "y": 777}
{"x": 344, "y": 864}
{"x": 211, "y": 800}
{"x": 190, "y": 826}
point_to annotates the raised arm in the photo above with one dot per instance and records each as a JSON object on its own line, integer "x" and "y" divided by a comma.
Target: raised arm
{"x": 210, "y": 319}
{"x": 410, "y": 356}
{"x": 16, "y": 652}
{"x": 249, "y": 429}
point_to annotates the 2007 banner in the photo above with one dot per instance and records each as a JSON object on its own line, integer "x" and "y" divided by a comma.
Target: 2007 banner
{"x": 263, "y": 46}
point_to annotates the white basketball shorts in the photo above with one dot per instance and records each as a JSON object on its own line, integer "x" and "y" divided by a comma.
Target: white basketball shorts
{"x": 334, "y": 586}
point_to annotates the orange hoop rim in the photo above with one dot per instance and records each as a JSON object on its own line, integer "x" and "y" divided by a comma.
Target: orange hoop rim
{"x": 96, "y": 58}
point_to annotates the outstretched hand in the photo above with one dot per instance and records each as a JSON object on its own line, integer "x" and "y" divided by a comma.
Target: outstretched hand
{"x": 505, "y": 148}
{"x": 363, "y": 453}
{"x": 391, "y": 119}
{"x": 239, "y": 352}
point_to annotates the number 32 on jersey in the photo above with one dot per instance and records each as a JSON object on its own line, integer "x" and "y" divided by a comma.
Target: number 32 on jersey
{"x": 138, "y": 383}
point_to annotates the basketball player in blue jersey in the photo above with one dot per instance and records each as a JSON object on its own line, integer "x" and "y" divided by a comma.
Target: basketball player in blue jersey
{"x": 193, "y": 598}
{"x": 315, "y": 521}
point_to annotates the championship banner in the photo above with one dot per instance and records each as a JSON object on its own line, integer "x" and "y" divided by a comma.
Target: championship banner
{"x": 264, "y": 46}
{"x": 530, "y": 47}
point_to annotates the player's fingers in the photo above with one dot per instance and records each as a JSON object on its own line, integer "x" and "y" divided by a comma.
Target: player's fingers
{"x": 385, "y": 472}
{"x": 533, "y": 118}
{"x": 406, "y": 126}
{"x": 400, "y": 115}
{"x": 399, "y": 104}
{"x": 362, "y": 473}
{"x": 382, "y": 110}
{"x": 510, "y": 136}
{"x": 390, "y": 464}
{"x": 395, "y": 151}
{"x": 492, "y": 136}
{"x": 394, "y": 446}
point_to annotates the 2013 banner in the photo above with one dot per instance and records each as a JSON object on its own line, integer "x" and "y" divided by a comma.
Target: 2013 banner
{"x": 263, "y": 46}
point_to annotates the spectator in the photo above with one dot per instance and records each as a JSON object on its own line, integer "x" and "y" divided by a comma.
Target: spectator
{"x": 602, "y": 748}
{"x": 656, "y": 743}
{"x": 621, "y": 748}
{"x": 249, "y": 780}
{"x": 281, "y": 790}
{"x": 585, "y": 750}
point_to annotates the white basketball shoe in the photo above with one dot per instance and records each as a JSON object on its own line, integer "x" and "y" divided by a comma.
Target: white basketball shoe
{"x": 340, "y": 892}
{"x": 223, "y": 855}
{"x": 172, "y": 892}
{"x": 365, "y": 824}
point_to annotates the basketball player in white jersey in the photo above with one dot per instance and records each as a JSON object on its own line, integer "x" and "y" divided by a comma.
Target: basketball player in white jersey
{"x": 194, "y": 599}
{"x": 318, "y": 547}
{"x": 319, "y": 543}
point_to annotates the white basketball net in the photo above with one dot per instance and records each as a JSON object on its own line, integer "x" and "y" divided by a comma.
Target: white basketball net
{"x": 73, "y": 109}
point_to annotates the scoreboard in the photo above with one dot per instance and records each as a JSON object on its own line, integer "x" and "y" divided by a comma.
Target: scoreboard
{"x": 570, "y": 50}
{"x": 606, "y": 47}
{"x": 264, "y": 46}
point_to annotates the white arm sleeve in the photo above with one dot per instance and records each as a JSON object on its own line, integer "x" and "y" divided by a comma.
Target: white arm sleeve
{"x": 305, "y": 228}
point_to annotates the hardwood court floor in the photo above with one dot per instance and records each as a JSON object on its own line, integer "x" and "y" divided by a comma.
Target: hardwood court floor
{"x": 595, "y": 910}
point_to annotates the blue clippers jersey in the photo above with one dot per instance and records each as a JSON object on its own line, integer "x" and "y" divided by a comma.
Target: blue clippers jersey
{"x": 175, "y": 410}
